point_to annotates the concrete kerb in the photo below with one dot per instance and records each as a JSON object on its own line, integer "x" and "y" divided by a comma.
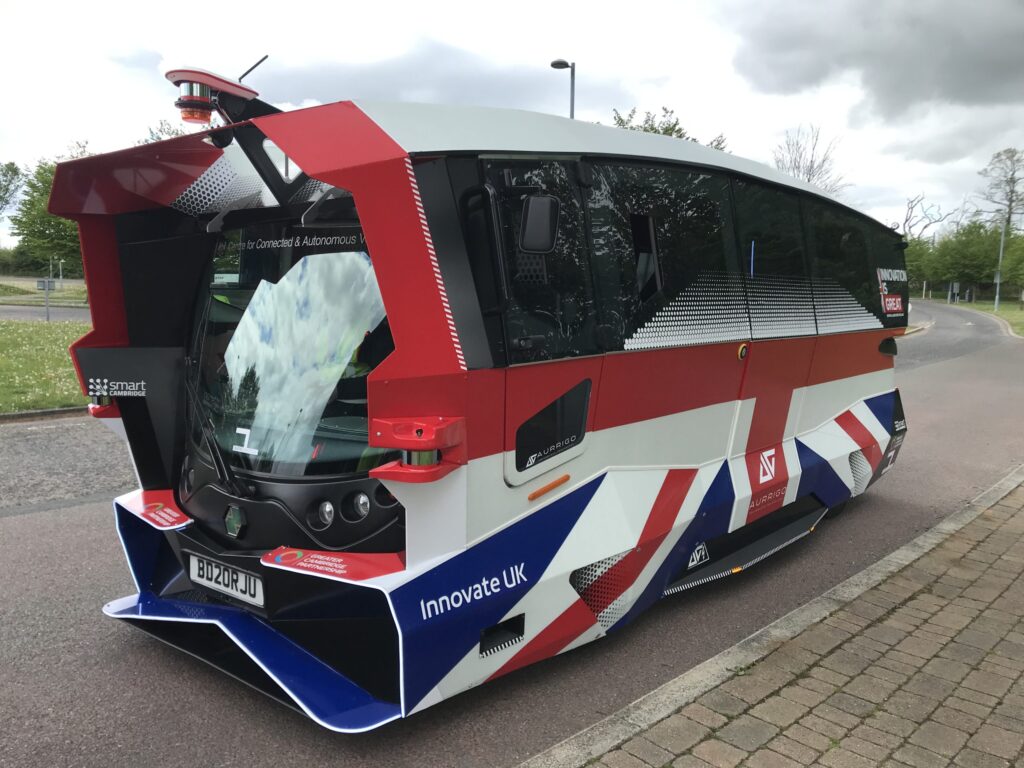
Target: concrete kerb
{"x": 911, "y": 330}
{"x": 1007, "y": 328}
{"x": 49, "y": 413}
{"x": 605, "y": 735}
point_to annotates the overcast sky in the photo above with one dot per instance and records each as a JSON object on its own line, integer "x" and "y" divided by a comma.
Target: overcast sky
{"x": 920, "y": 94}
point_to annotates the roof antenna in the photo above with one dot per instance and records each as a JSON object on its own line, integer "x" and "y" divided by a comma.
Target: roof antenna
{"x": 250, "y": 69}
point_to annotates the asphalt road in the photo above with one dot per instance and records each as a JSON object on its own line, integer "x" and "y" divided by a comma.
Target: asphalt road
{"x": 79, "y": 689}
{"x": 25, "y": 312}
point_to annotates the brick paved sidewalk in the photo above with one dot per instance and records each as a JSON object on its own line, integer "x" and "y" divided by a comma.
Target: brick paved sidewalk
{"x": 924, "y": 669}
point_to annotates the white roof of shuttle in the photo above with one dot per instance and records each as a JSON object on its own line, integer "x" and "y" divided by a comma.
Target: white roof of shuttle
{"x": 430, "y": 128}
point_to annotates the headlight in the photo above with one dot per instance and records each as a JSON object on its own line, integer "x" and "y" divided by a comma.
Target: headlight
{"x": 325, "y": 513}
{"x": 360, "y": 506}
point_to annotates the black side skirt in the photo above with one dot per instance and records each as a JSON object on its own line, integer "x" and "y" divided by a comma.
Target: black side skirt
{"x": 741, "y": 553}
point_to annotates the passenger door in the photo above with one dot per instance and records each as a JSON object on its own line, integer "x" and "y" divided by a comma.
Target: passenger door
{"x": 763, "y": 457}
{"x": 672, "y": 299}
{"x": 549, "y": 319}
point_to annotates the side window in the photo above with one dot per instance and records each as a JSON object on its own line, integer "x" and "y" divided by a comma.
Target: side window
{"x": 664, "y": 256}
{"x": 846, "y": 294}
{"x": 549, "y": 313}
{"x": 890, "y": 270}
{"x": 772, "y": 260}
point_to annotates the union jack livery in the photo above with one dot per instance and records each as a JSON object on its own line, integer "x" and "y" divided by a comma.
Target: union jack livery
{"x": 418, "y": 395}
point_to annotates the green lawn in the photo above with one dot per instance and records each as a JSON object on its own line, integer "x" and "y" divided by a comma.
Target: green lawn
{"x": 13, "y": 290}
{"x": 35, "y": 368}
{"x": 1008, "y": 310}
{"x": 17, "y": 290}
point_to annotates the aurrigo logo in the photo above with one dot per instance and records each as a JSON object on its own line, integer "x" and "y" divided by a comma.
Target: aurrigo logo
{"x": 766, "y": 472}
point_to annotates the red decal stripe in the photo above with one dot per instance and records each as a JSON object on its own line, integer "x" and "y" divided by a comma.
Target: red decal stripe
{"x": 621, "y": 576}
{"x": 573, "y": 622}
{"x": 578, "y": 617}
{"x": 862, "y": 437}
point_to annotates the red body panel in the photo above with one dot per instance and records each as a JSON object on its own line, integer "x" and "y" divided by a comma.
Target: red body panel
{"x": 136, "y": 179}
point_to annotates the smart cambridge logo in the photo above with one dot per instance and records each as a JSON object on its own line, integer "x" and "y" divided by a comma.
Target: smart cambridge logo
{"x": 98, "y": 387}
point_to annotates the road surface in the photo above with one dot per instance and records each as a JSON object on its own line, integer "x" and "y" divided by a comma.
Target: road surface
{"x": 26, "y": 312}
{"x": 82, "y": 689}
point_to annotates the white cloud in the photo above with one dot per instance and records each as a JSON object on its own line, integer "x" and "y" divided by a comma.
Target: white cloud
{"x": 745, "y": 69}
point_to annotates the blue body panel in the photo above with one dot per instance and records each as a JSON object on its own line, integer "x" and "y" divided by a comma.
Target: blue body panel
{"x": 325, "y": 695}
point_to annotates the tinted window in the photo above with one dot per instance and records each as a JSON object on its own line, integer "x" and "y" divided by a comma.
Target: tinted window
{"x": 550, "y": 308}
{"x": 772, "y": 260}
{"x": 554, "y": 429}
{"x": 664, "y": 257}
{"x": 887, "y": 251}
{"x": 846, "y": 296}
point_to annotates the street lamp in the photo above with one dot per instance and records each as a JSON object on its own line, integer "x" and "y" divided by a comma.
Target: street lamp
{"x": 62, "y": 274}
{"x": 1002, "y": 247}
{"x": 571, "y": 66}
{"x": 999, "y": 265}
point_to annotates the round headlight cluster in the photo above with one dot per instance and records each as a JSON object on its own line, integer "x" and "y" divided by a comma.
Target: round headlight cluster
{"x": 354, "y": 509}
{"x": 320, "y": 517}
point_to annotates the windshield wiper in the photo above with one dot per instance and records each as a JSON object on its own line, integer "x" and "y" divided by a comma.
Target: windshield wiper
{"x": 224, "y": 473}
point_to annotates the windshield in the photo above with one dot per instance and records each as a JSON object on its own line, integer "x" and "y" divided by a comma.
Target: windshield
{"x": 290, "y": 322}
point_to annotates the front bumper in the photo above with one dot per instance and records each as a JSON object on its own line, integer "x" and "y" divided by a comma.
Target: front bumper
{"x": 328, "y": 649}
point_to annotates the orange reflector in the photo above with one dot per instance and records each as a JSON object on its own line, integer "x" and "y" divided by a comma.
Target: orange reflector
{"x": 196, "y": 102}
{"x": 549, "y": 487}
{"x": 201, "y": 116}
{"x": 737, "y": 569}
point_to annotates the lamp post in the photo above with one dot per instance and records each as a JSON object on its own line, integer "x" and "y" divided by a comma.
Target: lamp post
{"x": 571, "y": 66}
{"x": 999, "y": 265}
{"x": 62, "y": 274}
{"x": 46, "y": 293}
{"x": 1002, "y": 247}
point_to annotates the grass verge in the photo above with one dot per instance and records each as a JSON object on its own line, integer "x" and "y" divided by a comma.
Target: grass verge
{"x": 35, "y": 368}
{"x": 13, "y": 290}
{"x": 22, "y": 291}
{"x": 1010, "y": 311}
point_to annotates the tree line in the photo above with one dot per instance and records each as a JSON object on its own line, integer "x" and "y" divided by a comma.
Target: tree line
{"x": 44, "y": 239}
{"x": 960, "y": 255}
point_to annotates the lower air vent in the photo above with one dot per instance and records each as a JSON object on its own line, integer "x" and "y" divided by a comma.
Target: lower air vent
{"x": 503, "y": 635}
{"x": 861, "y": 472}
{"x": 601, "y": 586}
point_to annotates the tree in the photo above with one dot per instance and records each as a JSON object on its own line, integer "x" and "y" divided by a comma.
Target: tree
{"x": 1005, "y": 188}
{"x": 803, "y": 155}
{"x": 163, "y": 130}
{"x": 1013, "y": 262}
{"x": 12, "y": 177}
{"x": 666, "y": 125}
{"x": 921, "y": 216}
{"x": 920, "y": 261}
{"x": 968, "y": 256}
{"x": 43, "y": 235}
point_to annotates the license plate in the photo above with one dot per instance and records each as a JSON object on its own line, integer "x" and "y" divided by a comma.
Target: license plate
{"x": 240, "y": 584}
